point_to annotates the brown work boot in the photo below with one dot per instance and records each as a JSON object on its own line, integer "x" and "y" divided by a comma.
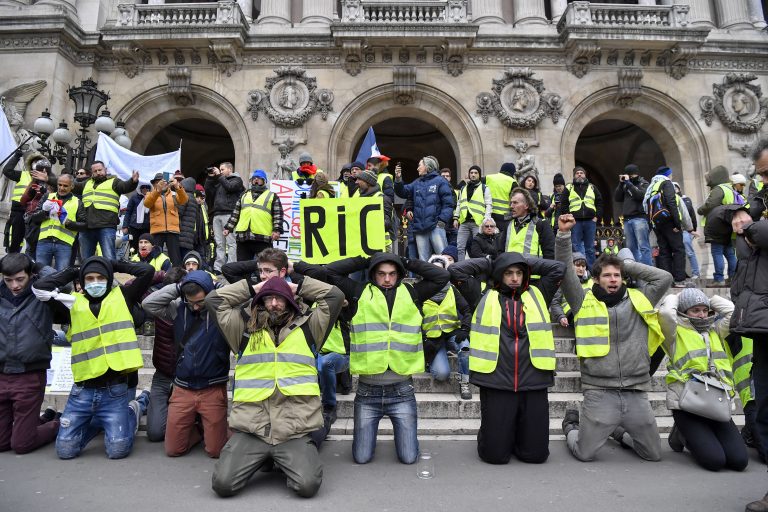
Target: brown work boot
{"x": 758, "y": 506}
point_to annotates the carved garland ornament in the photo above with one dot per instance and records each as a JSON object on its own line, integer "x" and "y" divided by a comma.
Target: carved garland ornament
{"x": 738, "y": 104}
{"x": 290, "y": 98}
{"x": 519, "y": 101}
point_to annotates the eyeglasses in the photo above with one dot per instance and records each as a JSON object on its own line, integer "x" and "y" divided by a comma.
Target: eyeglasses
{"x": 267, "y": 271}
{"x": 195, "y": 303}
{"x": 488, "y": 226}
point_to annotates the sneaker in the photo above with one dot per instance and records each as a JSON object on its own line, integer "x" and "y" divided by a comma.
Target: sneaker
{"x": 680, "y": 284}
{"x": 695, "y": 276}
{"x": 676, "y": 441}
{"x": 48, "y": 415}
{"x": 618, "y": 436}
{"x": 759, "y": 505}
{"x": 571, "y": 421}
{"x": 718, "y": 283}
{"x": 329, "y": 413}
{"x": 746, "y": 435}
{"x": 465, "y": 391}
{"x": 143, "y": 399}
{"x": 136, "y": 408}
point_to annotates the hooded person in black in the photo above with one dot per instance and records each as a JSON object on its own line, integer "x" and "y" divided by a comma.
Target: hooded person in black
{"x": 98, "y": 401}
{"x": 513, "y": 393}
{"x": 385, "y": 392}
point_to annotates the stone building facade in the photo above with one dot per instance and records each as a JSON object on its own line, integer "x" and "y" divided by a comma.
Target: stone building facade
{"x": 545, "y": 83}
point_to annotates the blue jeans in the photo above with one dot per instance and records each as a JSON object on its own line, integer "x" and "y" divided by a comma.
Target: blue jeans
{"x": 430, "y": 242}
{"x": 52, "y": 249}
{"x": 104, "y": 237}
{"x": 583, "y": 239}
{"x": 688, "y": 242}
{"x": 374, "y": 402}
{"x": 718, "y": 252}
{"x": 88, "y": 411}
{"x": 440, "y": 368}
{"x": 637, "y": 232}
{"x": 328, "y": 365}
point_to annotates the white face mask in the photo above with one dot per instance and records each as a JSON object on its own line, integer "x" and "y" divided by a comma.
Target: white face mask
{"x": 97, "y": 289}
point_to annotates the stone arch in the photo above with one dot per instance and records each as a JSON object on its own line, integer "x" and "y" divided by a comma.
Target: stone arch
{"x": 431, "y": 105}
{"x": 150, "y": 112}
{"x": 673, "y": 128}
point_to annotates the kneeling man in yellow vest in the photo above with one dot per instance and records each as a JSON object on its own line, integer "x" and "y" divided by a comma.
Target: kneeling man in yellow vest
{"x": 512, "y": 354}
{"x": 150, "y": 253}
{"x": 105, "y": 355}
{"x": 276, "y": 398}
{"x": 616, "y": 331}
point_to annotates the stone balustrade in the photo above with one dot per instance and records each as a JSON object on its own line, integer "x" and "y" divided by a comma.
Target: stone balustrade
{"x": 226, "y": 12}
{"x": 624, "y": 16}
{"x": 394, "y": 11}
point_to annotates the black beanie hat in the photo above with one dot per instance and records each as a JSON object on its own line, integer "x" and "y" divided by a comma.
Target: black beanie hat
{"x": 508, "y": 168}
{"x": 477, "y": 168}
{"x": 149, "y": 238}
{"x": 631, "y": 169}
{"x": 558, "y": 179}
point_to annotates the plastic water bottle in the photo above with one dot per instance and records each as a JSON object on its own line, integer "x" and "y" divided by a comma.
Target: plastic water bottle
{"x": 425, "y": 467}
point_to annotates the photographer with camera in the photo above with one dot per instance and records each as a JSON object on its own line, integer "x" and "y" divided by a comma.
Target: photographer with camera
{"x": 553, "y": 210}
{"x": 223, "y": 189}
{"x": 163, "y": 203}
{"x": 630, "y": 193}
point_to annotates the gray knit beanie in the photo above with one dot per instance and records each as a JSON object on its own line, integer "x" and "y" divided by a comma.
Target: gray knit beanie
{"x": 430, "y": 163}
{"x": 691, "y": 297}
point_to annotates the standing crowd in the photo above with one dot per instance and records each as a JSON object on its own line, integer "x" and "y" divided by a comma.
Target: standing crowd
{"x": 488, "y": 269}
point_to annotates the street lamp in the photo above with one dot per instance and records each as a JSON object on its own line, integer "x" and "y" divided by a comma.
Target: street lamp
{"x": 88, "y": 101}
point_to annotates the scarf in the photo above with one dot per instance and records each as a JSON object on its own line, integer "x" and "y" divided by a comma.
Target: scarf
{"x": 439, "y": 296}
{"x": 610, "y": 299}
{"x": 308, "y": 169}
{"x": 257, "y": 189}
{"x": 647, "y": 196}
{"x": 141, "y": 210}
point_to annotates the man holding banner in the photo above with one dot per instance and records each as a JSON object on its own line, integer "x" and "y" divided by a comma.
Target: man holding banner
{"x": 368, "y": 186}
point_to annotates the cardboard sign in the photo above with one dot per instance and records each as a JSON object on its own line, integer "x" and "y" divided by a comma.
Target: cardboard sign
{"x": 333, "y": 229}
{"x": 59, "y": 375}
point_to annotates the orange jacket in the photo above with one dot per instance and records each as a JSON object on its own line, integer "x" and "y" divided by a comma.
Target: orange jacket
{"x": 164, "y": 211}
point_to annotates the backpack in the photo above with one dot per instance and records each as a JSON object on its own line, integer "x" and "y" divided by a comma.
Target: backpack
{"x": 657, "y": 211}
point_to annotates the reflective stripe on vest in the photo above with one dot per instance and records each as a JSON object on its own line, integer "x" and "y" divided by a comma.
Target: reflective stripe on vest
{"x": 380, "y": 340}
{"x": 440, "y": 318}
{"x": 742, "y": 371}
{"x": 486, "y": 329}
{"x": 525, "y": 241}
{"x": 262, "y": 367}
{"x": 103, "y": 343}
{"x": 156, "y": 262}
{"x": 256, "y": 216}
{"x": 501, "y": 186}
{"x": 586, "y": 285}
{"x": 575, "y": 201}
{"x": 592, "y": 329}
{"x": 205, "y": 220}
{"x": 381, "y": 177}
{"x": 54, "y": 229}
{"x": 690, "y": 356}
{"x": 474, "y": 207}
{"x": 101, "y": 196}
{"x": 21, "y": 186}
{"x": 335, "y": 341}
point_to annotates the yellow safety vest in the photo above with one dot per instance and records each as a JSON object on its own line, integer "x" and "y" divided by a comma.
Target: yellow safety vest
{"x": 205, "y": 221}
{"x": 486, "y": 329}
{"x": 262, "y": 367}
{"x": 501, "y": 186}
{"x": 525, "y": 241}
{"x": 440, "y": 318}
{"x": 156, "y": 262}
{"x": 655, "y": 190}
{"x": 742, "y": 370}
{"x": 103, "y": 343}
{"x": 593, "y": 330}
{"x": 381, "y": 177}
{"x": 21, "y": 186}
{"x": 335, "y": 341}
{"x": 101, "y": 196}
{"x": 54, "y": 229}
{"x": 611, "y": 250}
{"x": 575, "y": 202}
{"x": 690, "y": 356}
{"x": 474, "y": 207}
{"x": 587, "y": 285}
{"x": 256, "y": 216}
{"x": 380, "y": 340}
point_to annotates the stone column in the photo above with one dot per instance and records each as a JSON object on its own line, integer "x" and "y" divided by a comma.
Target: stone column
{"x": 529, "y": 12}
{"x": 732, "y": 14}
{"x": 756, "y": 14}
{"x": 247, "y": 7}
{"x": 275, "y": 12}
{"x": 487, "y": 11}
{"x": 700, "y": 12}
{"x": 317, "y": 12}
{"x": 558, "y": 8}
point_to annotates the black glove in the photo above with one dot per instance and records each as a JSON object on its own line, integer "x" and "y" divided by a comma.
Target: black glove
{"x": 460, "y": 335}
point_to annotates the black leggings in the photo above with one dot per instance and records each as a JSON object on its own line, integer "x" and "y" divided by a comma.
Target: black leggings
{"x": 513, "y": 424}
{"x": 714, "y": 445}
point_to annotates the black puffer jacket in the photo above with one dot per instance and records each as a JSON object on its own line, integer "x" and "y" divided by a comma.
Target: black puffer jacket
{"x": 190, "y": 218}
{"x": 222, "y": 193}
{"x": 483, "y": 245}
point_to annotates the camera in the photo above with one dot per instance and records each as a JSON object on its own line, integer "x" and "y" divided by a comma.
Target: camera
{"x": 211, "y": 170}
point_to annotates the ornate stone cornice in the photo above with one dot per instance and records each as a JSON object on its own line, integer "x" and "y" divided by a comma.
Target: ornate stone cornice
{"x": 130, "y": 58}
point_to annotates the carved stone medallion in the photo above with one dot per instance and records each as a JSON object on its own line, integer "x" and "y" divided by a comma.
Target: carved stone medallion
{"x": 739, "y": 105}
{"x": 519, "y": 101}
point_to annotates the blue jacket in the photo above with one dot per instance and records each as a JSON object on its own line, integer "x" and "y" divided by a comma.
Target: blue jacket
{"x": 204, "y": 359}
{"x": 432, "y": 198}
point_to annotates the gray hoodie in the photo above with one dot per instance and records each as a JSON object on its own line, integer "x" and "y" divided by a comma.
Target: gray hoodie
{"x": 627, "y": 364}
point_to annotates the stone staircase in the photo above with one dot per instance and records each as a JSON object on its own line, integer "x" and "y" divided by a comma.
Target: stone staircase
{"x": 442, "y": 413}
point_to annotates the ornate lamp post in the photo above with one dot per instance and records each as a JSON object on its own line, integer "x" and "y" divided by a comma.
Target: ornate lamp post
{"x": 88, "y": 100}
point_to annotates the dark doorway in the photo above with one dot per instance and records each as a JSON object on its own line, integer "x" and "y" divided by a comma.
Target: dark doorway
{"x": 203, "y": 143}
{"x": 605, "y": 147}
{"x": 407, "y": 140}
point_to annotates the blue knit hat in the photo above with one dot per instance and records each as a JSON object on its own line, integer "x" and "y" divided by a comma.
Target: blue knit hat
{"x": 258, "y": 173}
{"x": 452, "y": 251}
{"x": 664, "y": 171}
